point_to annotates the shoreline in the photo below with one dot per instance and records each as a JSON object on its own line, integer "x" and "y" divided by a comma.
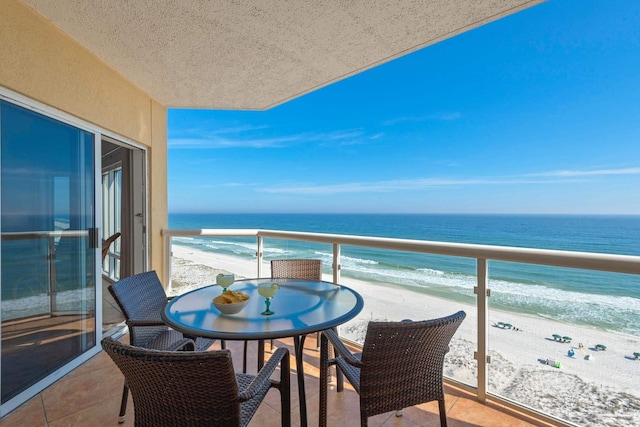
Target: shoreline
{"x": 598, "y": 391}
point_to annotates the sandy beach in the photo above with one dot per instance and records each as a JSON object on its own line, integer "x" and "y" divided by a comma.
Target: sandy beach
{"x": 591, "y": 387}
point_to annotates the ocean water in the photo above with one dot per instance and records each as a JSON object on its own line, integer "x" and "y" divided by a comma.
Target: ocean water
{"x": 597, "y": 299}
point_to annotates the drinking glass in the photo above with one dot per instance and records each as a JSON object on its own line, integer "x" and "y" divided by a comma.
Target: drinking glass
{"x": 225, "y": 280}
{"x": 268, "y": 290}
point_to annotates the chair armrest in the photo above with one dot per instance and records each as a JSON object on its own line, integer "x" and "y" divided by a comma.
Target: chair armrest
{"x": 182, "y": 344}
{"x": 145, "y": 323}
{"x": 263, "y": 376}
{"x": 341, "y": 349}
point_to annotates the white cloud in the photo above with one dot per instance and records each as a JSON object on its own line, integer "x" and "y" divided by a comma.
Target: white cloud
{"x": 396, "y": 185}
{"x": 564, "y": 176}
{"x": 229, "y": 184}
{"x": 219, "y": 142}
{"x": 572, "y": 173}
{"x": 425, "y": 183}
{"x": 214, "y": 140}
{"x": 441, "y": 117}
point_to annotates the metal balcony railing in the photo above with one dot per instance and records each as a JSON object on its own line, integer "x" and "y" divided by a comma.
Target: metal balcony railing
{"x": 481, "y": 253}
{"x": 33, "y": 264}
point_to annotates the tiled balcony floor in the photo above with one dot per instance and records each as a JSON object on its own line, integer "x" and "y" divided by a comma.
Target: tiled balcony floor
{"x": 90, "y": 396}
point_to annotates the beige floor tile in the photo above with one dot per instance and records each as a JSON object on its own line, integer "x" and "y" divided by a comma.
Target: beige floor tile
{"x": 103, "y": 413}
{"x": 29, "y": 414}
{"x": 76, "y": 393}
{"x": 91, "y": 396}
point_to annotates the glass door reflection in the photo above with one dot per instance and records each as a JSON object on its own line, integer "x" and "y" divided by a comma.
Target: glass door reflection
{"x": 48, "y": 246}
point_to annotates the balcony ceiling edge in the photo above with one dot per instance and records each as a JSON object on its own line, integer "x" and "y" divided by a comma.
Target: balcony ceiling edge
{"x": 253, "y": 55}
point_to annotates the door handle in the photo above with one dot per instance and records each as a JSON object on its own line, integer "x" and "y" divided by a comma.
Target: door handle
{"x": 93, "y": 238}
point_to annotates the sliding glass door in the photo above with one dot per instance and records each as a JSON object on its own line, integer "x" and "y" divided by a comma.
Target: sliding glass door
{"x": 48, "y": 246}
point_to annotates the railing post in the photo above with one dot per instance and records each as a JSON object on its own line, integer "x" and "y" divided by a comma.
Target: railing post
{"x": 259, "y": 255}
{"x": 51, "y": 255}
{"x": 167, "y": 262}
{"x": 336, "y": 263}
{"x": 482, "y": 294}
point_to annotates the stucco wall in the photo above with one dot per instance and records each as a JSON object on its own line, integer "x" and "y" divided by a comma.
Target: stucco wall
{"x": 42, "y": 63}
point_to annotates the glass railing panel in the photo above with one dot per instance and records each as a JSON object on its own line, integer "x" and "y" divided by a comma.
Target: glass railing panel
{"x": 562, "y": 342}
{"x": 198, "y": 260}
{"x": 294, "y": 249}
{"x": 397, "y": 285}
{"x": 529, "y": 304}
{"x": 26, "y": 281}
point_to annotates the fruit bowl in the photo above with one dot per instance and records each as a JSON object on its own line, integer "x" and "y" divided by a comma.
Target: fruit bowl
{"x": 231, "y": 308}
{"x": 230, "y": 302}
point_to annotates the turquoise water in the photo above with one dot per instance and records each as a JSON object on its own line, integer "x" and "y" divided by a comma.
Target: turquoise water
{"x": 604, "y": 300}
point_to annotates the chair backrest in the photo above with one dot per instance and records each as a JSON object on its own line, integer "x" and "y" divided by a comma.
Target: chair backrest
{"x": 141, "y": 297}
{"x": 306, "y": 269}
{"x": 179, "y": 388}
{"x": 403, "y": 362}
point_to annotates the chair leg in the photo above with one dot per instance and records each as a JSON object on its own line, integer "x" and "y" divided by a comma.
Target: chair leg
{"x": 443, "y": 413}
{"x": 123, "y": 404}
{"x": 285, "y": 391}
{"x": 339, "y": 380}
{"x": 363, "y": 419}
{"x": 339, "y": 375}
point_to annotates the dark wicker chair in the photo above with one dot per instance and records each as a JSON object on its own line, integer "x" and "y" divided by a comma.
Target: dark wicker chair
{"x": 180, "y": 388}
{"x": 142, "y": 298}
{"x": 400, "y": 365}
{"x": 303, "y": 269}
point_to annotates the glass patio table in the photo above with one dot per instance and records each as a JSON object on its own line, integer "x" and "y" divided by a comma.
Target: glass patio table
{"x": 300, "y": 307}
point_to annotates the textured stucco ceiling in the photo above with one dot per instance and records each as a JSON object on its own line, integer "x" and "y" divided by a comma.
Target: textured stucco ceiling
{"x": 255, "y": 54}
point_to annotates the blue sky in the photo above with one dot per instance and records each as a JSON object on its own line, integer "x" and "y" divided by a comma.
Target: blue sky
{"x": 538, "y": 112}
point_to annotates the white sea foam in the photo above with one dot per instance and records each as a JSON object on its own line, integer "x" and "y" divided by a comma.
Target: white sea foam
{"x": 75, "y": 300}
{"x": 345, "y": 260}
{"x": 605, "y": 311}
{"x": 431, "y": 271}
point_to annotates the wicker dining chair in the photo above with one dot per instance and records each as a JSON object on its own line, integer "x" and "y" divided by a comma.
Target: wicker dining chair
{"x": 401, "y": 365}
{"x": 184, "y": 388}
{"x": 303, "y": 269}
{"x": 141, "y": 299}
